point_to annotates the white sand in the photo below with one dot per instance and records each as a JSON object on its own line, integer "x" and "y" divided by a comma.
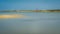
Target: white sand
{"x": 13, "y": 16}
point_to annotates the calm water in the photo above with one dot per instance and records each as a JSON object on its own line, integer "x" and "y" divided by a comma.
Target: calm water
{"x": 39, "y": 23}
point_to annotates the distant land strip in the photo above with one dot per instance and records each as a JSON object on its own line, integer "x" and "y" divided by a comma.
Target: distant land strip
{"x": 29, "y": 10}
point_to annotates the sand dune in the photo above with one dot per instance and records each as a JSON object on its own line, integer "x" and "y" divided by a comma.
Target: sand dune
{"x": 13, "y": 16}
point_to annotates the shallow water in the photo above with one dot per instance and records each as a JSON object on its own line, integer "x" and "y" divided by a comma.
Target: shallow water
{"x": 39, "y": 23}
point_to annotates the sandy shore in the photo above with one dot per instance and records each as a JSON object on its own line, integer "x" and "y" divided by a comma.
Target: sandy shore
{"x": 12, "y": 16}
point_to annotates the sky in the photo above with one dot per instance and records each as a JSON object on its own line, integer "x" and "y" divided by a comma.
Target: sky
{"x": 29, "y": 4}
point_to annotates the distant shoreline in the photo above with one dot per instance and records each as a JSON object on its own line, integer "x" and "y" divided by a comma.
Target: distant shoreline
{"x": 29, "y": 10}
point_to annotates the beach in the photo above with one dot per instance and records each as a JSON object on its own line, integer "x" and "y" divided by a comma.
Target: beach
{"x": 12, "y": 16}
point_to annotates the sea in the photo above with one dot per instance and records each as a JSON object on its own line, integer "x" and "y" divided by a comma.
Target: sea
{"x": 37, "y": 23}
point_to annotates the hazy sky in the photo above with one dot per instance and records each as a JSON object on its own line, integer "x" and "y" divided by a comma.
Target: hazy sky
{"x": 29, "y": 4}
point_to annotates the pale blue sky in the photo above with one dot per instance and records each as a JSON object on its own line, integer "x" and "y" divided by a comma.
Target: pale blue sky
{"x": 29, "y": 4}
